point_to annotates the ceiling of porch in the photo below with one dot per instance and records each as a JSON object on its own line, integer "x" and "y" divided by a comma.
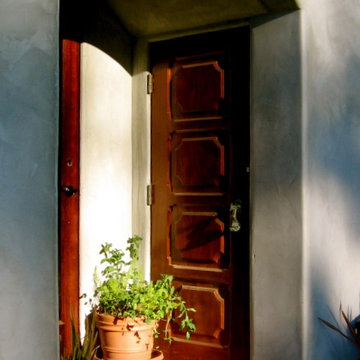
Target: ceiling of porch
{"x": 147, "y": 18}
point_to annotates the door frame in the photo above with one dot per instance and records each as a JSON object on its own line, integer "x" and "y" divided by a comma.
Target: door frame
{"x": 69, "y": 175}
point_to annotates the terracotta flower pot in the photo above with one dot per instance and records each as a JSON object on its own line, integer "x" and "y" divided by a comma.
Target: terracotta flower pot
{"x": 125, "y": 339}
{"x": 155, "y": 355}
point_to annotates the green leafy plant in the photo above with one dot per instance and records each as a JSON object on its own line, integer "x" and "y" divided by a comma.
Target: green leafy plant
{"x": 124, "y": 293}
{"x": 83, "y": 350}
{"x": 354, "y": 337}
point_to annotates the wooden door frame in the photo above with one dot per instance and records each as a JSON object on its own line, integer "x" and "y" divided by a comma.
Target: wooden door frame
{"x": 69, "y": 175}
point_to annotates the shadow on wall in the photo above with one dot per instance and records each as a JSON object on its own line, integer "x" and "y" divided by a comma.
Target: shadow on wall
{"x": 334, "y": 168}
{"x": 328, "y": 344}
{"x": 92, "y": 21}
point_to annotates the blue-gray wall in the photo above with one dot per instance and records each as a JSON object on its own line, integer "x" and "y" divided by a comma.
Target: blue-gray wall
{"x": 331, "y": 186}
{"x": 305, "y": 184}
{"x": 28, "y": 177}
{"x": 276, "y": 195}
{"x": 305, "y": 180}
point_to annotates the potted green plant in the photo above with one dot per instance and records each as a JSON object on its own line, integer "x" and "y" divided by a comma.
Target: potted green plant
{"x": 128, "y": 308}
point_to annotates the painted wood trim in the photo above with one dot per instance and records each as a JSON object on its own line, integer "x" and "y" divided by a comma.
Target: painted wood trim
{"x": 69, "y": 174}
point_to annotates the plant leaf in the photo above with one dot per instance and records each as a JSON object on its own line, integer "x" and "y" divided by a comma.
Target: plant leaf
{"x": 352, "y": 330}
{"x": 333, "y": 327}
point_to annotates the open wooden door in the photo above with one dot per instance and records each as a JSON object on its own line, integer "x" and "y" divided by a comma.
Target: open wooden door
{"x": 200, "y": 178}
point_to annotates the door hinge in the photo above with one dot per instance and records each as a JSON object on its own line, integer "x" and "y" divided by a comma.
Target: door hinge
{"x": 150, "y": 83}
{"x": 149, "y": 194}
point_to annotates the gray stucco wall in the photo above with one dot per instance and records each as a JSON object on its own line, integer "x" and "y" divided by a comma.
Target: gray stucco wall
{"x": 28, "y": 177}
{"x": 331, "y": 123}
{"x": 276, "y": 203}
{"x": 305, "y": 180}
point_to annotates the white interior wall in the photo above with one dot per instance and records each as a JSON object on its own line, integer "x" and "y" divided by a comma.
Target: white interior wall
{"x": 141, "y": 130}
{"x": 105, "y": 159}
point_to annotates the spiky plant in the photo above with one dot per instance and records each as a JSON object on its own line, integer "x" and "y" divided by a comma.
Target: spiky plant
{"x": 354, "y": 337}
{"x": 83, "y": 350}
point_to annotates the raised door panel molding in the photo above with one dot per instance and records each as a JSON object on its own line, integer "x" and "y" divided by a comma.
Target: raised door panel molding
{"x": 197, "y": 91}
{"x": 198, "y": 165}
{"x": 197, "y": 238}
{"x": 210, "y": 317}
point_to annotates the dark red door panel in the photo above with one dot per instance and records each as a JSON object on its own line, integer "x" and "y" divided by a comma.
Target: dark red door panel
{"x": 200, "y": 159}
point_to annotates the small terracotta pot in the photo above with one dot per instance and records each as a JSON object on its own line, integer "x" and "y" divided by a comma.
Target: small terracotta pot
{"x": 125, "y": 339}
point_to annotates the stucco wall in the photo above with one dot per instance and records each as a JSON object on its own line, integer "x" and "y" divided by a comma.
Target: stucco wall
{"x": 105, "y": 160}
{"x": 331, "y": 171}
{"x": 305, "y": 180}
{"x": 141, "y": 151}
{"x": 28, "y": 179}
{"x": 276, "y": 204}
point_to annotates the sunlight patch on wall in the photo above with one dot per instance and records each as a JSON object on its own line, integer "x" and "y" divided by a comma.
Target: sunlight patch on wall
{"x": 106, "y": 165}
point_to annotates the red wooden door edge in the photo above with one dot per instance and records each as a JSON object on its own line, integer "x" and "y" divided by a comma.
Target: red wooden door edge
{"x": 69, "y": 157}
